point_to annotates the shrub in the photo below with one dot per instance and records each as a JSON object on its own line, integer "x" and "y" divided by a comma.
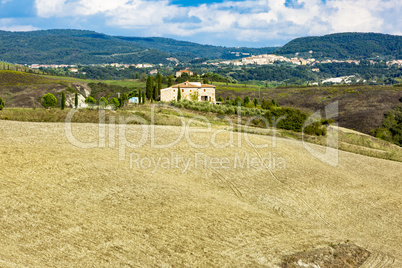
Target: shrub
{"x": 236, "y": 101}
{"x": 90, "y": 100}
{"x": 114, "y": 102}
{"x": 255, "y": 101}
{"x": 103, "y": 102}
{"x": 1, "y": 104}
{"x": 206, "y": 109}
{"x": 230, "y": 111}
{"x": 246, "y": 101}
{"x": 49, "y": 100}
{"x": 124, "y": 100}
{"x": 221, "y": 112}
{"x": 194, "y": 96}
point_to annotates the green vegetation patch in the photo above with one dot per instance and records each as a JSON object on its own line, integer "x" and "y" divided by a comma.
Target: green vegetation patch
{"x": 391, "y": 127}
{"x": 14, "y": 78}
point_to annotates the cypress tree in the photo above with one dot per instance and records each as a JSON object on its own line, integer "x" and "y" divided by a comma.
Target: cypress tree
{"x": 139, "y": 96}
{"x": 178, "y": 94}
{"x": 159, "y": 84}
{"x": 149, "y": 87}
{"x": 1, "y": 104}
{"x": 63, "y": 100}
{"x": 143, "y": 97}
{"x": 155, "y": 93}
{"x": 76, "y": 100}
{"x": 170, "y": 83}
{"x": 255, "y": 102}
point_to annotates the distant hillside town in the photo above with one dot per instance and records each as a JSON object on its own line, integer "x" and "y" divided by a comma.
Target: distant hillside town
{"x": 267, "y": 59}
{"x": 264, "y": 59}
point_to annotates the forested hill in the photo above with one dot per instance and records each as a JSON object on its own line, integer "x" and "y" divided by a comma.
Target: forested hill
{"x": 87, "y": 47}
{"x": 185, "y": 49}
{"x": 346, "y": 46}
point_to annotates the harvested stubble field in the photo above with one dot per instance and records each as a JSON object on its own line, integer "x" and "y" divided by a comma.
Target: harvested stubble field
{"x": 62, "y": 205}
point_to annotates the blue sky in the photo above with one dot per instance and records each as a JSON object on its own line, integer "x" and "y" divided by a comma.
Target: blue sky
{"x": 252, "y": 23}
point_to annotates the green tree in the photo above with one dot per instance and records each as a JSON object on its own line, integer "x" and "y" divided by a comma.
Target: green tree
{"x": 159, "y": 78}
{"x": 76, "y": 100}
{"x": 246, "y": 100}
{"x": 123, "y": 100}
{"x": 155, "y": 95}
{"x": 63, "y": 100}
{"x": 49, "y": 100}
{"x": 220, "y": 99}
{"x": 178, "y": 94}
{"x": 1, "y": 104}
{"x": 103, "y": 102}
{"x": 237, "y": 100}
{"x": 170, "y": 83}
{"x": 115, "y": 103}
{"x": 149, "y": 87}
{"x": 90, "y": 101}
{"x": 139, "y": 96}
{"x": 255, "y": 101}
{"x": 143, "y": 97}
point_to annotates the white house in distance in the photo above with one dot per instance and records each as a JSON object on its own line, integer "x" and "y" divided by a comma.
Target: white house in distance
{"x": 205, "y": 92}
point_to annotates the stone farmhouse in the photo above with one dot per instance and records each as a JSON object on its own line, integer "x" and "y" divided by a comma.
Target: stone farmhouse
{"x": 179, "y": 73}
{"x": 188, "y": 90}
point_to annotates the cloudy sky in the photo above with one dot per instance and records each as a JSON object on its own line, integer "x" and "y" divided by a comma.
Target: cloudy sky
{"x": 253, "y": 23}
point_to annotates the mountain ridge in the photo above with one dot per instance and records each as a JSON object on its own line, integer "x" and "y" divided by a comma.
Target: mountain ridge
{"x": 89, "y": 47}
{"x": 66, "y": 46}
{"x": 346, "y": 45}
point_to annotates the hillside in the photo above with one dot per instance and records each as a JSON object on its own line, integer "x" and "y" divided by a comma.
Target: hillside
{"x": 346, "y": 46}
{"x": 191, "y": 50}
{"x": 361, "y": 107}
{"x": 87, "y": 47}
{"x": 67, "y": 206}
{"x": 72, "y": 47}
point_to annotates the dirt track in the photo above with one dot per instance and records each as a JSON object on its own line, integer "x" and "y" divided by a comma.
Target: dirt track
{"x": 66, "y": 206}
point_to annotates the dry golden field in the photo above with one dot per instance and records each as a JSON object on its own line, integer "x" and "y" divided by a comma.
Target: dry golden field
{"x": 66, "y": 206}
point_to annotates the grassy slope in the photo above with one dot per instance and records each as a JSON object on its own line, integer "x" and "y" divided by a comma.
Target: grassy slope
{"x": 123, "y": 83}
{"x": 360, "y": 107}
{"x": 66, "y": 206}
{"x": 19, "y": 89}
{"x": 350, "y": 141}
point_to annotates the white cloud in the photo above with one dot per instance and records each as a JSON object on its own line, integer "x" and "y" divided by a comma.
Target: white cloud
{"x": 50, "y": 8}
{"x": 249, "y": 20}
{"x": 11, "y": 25}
